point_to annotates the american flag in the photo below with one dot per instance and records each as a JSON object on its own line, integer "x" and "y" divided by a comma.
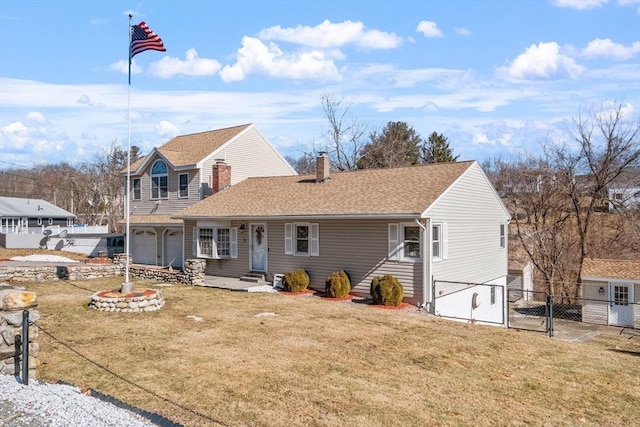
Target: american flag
{"x": 142, "y": 38}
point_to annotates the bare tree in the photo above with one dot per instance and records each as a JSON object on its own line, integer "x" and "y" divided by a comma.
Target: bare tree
{"x": 608, "y": 143}
{"x": 305, "y": 164}
{"x": 345, "y": 136}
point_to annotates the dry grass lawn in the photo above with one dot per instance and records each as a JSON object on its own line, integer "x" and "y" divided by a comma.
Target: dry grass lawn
{"x": 277, "y": 360}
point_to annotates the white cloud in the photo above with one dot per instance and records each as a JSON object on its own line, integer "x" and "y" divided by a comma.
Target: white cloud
{"x": 193, "y": 65}
{"x": 579, "y": 4}
{"x": 542, "y": 62}
{"x": 429, "y": 29}
{"x": 480, "y": 139}
{"x": 36, "y": 117}
{"x": 167, "y": 129}
{"x": 123, "y": 67}
{"x": 605, "y": 48}
{"x": 85, "y": 100}
{"x": 461, "y": 31}
{"x": 328, "y": 34}
{"x": 254, "y": 57}
{"x": 14, "y": 136}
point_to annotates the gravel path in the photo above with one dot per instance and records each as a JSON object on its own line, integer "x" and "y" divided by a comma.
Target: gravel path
{"x": 40, "y": 404}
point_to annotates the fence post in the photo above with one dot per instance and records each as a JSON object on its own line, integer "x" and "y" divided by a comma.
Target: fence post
{"x": 25, "y": 347}
{"x": 550, "y": 315}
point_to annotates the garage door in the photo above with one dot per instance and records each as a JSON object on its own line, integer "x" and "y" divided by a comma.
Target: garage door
{"x": 143, "y": 246}
{"x": 173, "y": 248}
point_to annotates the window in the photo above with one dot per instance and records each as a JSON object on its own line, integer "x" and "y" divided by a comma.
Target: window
{"x": 216, "y": 243}
{"x": 302, "y": 239}
{"x": 617, "y": 196}
{"x": 223, "y": 242}
{"x": 621, "y": 295}
{"x": 493, "y": 295}
{"x": 503, "y": 237}
{"x": 183, "y": 185}
{"x": 136, "y": 189}
{"x": 411, "y": 242}
{"x": 205, "y": 242}
{"x": 159, "y": 180}
{"x": 436, "y": 241}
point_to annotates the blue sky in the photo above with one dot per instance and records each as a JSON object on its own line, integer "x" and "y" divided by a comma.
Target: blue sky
{"x": 497, "y": 78}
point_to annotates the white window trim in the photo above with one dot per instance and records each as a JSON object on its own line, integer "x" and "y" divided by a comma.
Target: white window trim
{"x": 179, "y": 176}
{"x": 233, "y": 241}
{"x": 503, "y": 236}
{"x": 290, "y": 239}
{"x": 160, "y": 175}
{"x": 401, "y": 240}
{"x": 133, "y": 187}
{"x": 443, "y": 243}
{"x": 50, "y": 221}
{"x": 39, "y": 221}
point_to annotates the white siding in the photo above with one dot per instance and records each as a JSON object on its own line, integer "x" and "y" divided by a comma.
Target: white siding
{"x": 473, "y": 214}
{"x": 595, "y": 307}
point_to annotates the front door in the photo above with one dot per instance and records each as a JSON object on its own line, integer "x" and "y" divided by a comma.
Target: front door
{"x": 258, "y": 247}
{"x": 620, "y": 305}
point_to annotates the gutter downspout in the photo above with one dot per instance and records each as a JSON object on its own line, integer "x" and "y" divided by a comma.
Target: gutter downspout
{"x": 426, "y": 264}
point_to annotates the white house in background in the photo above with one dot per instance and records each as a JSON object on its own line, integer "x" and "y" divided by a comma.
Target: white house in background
{"x": 184, "y": 171}
{"x": 420, "y": 224}
{"x": 625, "y": 191}
{"x": 611, "y": 292}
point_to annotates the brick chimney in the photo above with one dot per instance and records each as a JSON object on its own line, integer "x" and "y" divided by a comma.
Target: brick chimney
{"x": 322, "y": 167}
{"x": 221, "y": 177}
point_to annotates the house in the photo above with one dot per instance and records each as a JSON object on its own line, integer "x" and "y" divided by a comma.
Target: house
{"x": 419, "y": 223}
{"x": 184, "y": 171}
{"x": 611, "y": 292}
{"x": 624, "y": 192}
{"x": 36, "y": 223}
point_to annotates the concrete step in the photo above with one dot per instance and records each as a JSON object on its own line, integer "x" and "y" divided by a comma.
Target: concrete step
{"x": 254, "y": 277}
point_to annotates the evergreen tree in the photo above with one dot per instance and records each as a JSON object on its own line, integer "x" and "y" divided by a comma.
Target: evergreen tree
{"x": 396, "y": 145}
{"x": 435, "y": 149}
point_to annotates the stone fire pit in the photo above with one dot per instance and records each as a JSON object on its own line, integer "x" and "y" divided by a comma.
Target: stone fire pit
{"x": 132, "y": 302}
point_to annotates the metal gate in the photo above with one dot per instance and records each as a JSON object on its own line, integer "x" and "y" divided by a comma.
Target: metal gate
{"x": 530, "y": 310}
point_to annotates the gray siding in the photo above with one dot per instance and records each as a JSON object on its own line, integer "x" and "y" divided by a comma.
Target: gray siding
{"x": 173, "y": 204}
{"x": 357, "y": 247}
{"x": 473, "y": 215}
{"x": 248, "y": 155}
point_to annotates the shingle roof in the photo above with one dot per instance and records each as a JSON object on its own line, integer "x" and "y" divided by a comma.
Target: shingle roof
{"x": 32, "y": 208}
{"x": 611, "y": 269}
{"x": 185, "y": 150}
{"x": 150, "y": 220}
{"x": 397, "y": 191}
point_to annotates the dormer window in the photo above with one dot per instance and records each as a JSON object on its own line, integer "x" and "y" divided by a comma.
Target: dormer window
{"x": 159, "y": 180}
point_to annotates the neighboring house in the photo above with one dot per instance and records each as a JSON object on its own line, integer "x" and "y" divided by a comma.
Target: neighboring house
{"x": 36, "y": 223}
{"x": 367, "y": 223}
{"x": 611, "y": 292}
{"x": 624, "y": 193}
{"x": 520, "y": 280}
{"x": 184, "y": 171}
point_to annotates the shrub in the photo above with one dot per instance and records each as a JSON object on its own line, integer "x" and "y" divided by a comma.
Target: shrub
{"x": 338, "y": 284}
{"x": 295, "y": 281}
{"x": 386, "y": 290}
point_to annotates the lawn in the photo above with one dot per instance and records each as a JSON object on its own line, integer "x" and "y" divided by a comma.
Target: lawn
{"x": 214, "y": 357}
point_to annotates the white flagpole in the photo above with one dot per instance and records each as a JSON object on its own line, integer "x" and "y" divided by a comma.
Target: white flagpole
{"x": 128, "y": 286}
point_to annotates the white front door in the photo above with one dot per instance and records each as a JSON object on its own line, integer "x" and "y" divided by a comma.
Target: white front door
{"x": 621, "y": 304}
{"x": 258, "y": 247}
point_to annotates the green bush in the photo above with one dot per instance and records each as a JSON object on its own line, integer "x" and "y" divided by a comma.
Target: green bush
{"x": 295, "y": 281}
{"x": 386, "y": 290}
{"x": 338, "y": 284}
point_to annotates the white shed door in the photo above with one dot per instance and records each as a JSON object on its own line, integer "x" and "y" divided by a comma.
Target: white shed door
{"x": 173, "y": 248}
{"x": 143, "y": 246}
{"x": 620, "y": 305}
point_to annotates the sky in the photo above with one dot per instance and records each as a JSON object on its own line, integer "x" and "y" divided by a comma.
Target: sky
{"x": 497, "y": 78}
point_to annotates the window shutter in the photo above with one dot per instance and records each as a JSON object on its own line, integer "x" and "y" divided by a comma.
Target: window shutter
{"x": 393, "y": 242}
{"x": 214, "y": 243}
{"x": 233, "y": 242}
{"x": 195, "y": 241}
{"x": 314, "y": 240}
{"x": 288, "y": 238}
{"x": 445, "y": 241}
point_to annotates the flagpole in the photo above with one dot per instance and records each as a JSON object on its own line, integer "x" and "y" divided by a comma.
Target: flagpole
{"x": 128, "y": 286}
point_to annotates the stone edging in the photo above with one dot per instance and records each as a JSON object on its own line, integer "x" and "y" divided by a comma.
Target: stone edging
{"x": 134, "y": 302}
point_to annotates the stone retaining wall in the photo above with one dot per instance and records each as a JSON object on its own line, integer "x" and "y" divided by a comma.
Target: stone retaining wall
{"x": 13, "y": 301}
{"x": 191, "y": 274}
